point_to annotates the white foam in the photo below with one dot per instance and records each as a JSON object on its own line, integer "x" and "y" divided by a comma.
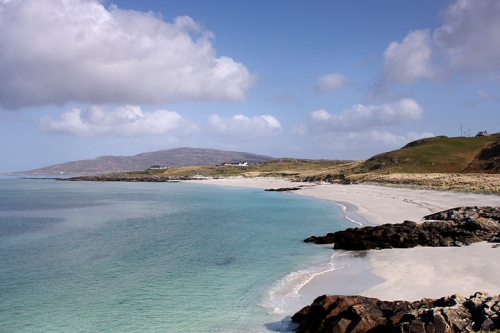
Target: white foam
{"x": 344, "y": 209}
{"x": 284, "y": 296}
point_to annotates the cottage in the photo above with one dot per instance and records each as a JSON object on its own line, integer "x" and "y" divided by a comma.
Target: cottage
{"x": 157, "y": 167}
{"x": 241, "y": 163}
{"x": 483, "y": 133}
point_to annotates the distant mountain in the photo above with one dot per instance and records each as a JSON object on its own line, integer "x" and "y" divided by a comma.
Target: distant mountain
{"x": 170, "y": 158}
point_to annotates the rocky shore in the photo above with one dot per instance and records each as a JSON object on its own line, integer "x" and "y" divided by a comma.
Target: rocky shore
{"x": 356, "y": 314}
{"x": 453, "y": 227}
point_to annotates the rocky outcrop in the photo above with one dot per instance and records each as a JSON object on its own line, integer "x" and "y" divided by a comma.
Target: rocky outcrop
{"x": 356, "y": 314}
{"x": 453, "y": 227}
{"x": 282, "y": 189}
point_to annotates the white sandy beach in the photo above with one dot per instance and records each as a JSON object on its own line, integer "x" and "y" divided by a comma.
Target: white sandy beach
{"x": 408, "y": 274}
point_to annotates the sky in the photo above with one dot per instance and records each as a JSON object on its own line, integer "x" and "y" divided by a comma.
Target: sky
{"x": 322, "y": 79}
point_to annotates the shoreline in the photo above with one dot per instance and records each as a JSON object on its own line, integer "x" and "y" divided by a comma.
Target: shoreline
{"x": 398, "y": 274}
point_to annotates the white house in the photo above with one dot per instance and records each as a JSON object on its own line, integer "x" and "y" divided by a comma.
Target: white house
{"x": 241, "y": 163}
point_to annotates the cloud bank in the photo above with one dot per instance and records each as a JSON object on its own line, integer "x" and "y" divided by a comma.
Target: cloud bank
{"x": 126, "y": 121}
{"x": 361, "y": 145}
{"x": 365, "y": 118}
{"x": 358, "y": 131}
{"x": 131, "y": 121}
{"x": 57, "y": 51}
{"x": 369, "y": 140}
{"x": 467, "y": 42}
{"x": 240, "y": 126}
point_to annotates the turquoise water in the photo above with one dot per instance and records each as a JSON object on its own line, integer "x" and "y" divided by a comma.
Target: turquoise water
{"x": 166, "y": 257}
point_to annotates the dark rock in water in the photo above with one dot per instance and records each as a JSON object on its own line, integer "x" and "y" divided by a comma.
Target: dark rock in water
{"x": 356, "y": 314}
{"x": 453, "y": 227}
{"x": 282, "y": 189}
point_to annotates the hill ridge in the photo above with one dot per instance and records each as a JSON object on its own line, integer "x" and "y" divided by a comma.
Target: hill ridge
{"x": 171, "y": 158}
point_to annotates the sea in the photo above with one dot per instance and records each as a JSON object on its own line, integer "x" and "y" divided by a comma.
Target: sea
{"x": 156, "y": 257}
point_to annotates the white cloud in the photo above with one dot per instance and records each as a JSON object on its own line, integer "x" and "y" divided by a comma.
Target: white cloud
{"x": 470, "y": 36}
{"x": 360, "y": 145}
{"x": 365, "y": 118}
{"x": 467, "y": 42}
{"x": 127, "y": 121}
{"x": 240, "y": 126}
{"x": 410, "y": 59}
{"x": 57, "y": 51}
{"x": 330, "y": 82}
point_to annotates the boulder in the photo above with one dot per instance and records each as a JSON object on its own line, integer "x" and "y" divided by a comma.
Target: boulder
{"x": 358, "y": 314}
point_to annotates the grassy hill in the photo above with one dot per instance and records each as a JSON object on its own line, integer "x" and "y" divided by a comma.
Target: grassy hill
{"x": 438, "y": 155}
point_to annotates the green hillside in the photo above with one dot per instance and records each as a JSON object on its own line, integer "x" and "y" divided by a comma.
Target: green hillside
{"x": 438, "y": 154}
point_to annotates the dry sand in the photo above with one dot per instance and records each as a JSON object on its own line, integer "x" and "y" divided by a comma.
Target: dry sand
{"x": 408, "y": 274}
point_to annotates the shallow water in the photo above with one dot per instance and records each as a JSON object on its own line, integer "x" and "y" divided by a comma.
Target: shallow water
{"x": 165, "y": 257}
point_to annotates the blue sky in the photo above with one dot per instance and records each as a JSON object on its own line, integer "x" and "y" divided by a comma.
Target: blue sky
{"x": 286, "y": 78}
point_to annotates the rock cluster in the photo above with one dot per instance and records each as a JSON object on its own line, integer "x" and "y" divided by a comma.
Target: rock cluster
{"x": 356, "y": 314}
{"x": 282, "y": 189}
{"x": 453, "y": 227}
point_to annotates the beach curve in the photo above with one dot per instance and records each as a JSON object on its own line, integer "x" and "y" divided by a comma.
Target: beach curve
{"x": 406, "y": 274}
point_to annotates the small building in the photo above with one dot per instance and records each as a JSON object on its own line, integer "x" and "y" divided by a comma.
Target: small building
{"x": 241, "y": 163}
{"x": 157, "y": 167}
{"x": 483, "y": 133}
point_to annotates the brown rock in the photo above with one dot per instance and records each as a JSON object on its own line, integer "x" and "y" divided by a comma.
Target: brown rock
{"x": 342, "y": 325}
{"x": 349, "y": 314}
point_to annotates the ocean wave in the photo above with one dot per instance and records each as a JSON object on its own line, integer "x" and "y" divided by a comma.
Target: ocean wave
{"x": 284, "y": 296}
